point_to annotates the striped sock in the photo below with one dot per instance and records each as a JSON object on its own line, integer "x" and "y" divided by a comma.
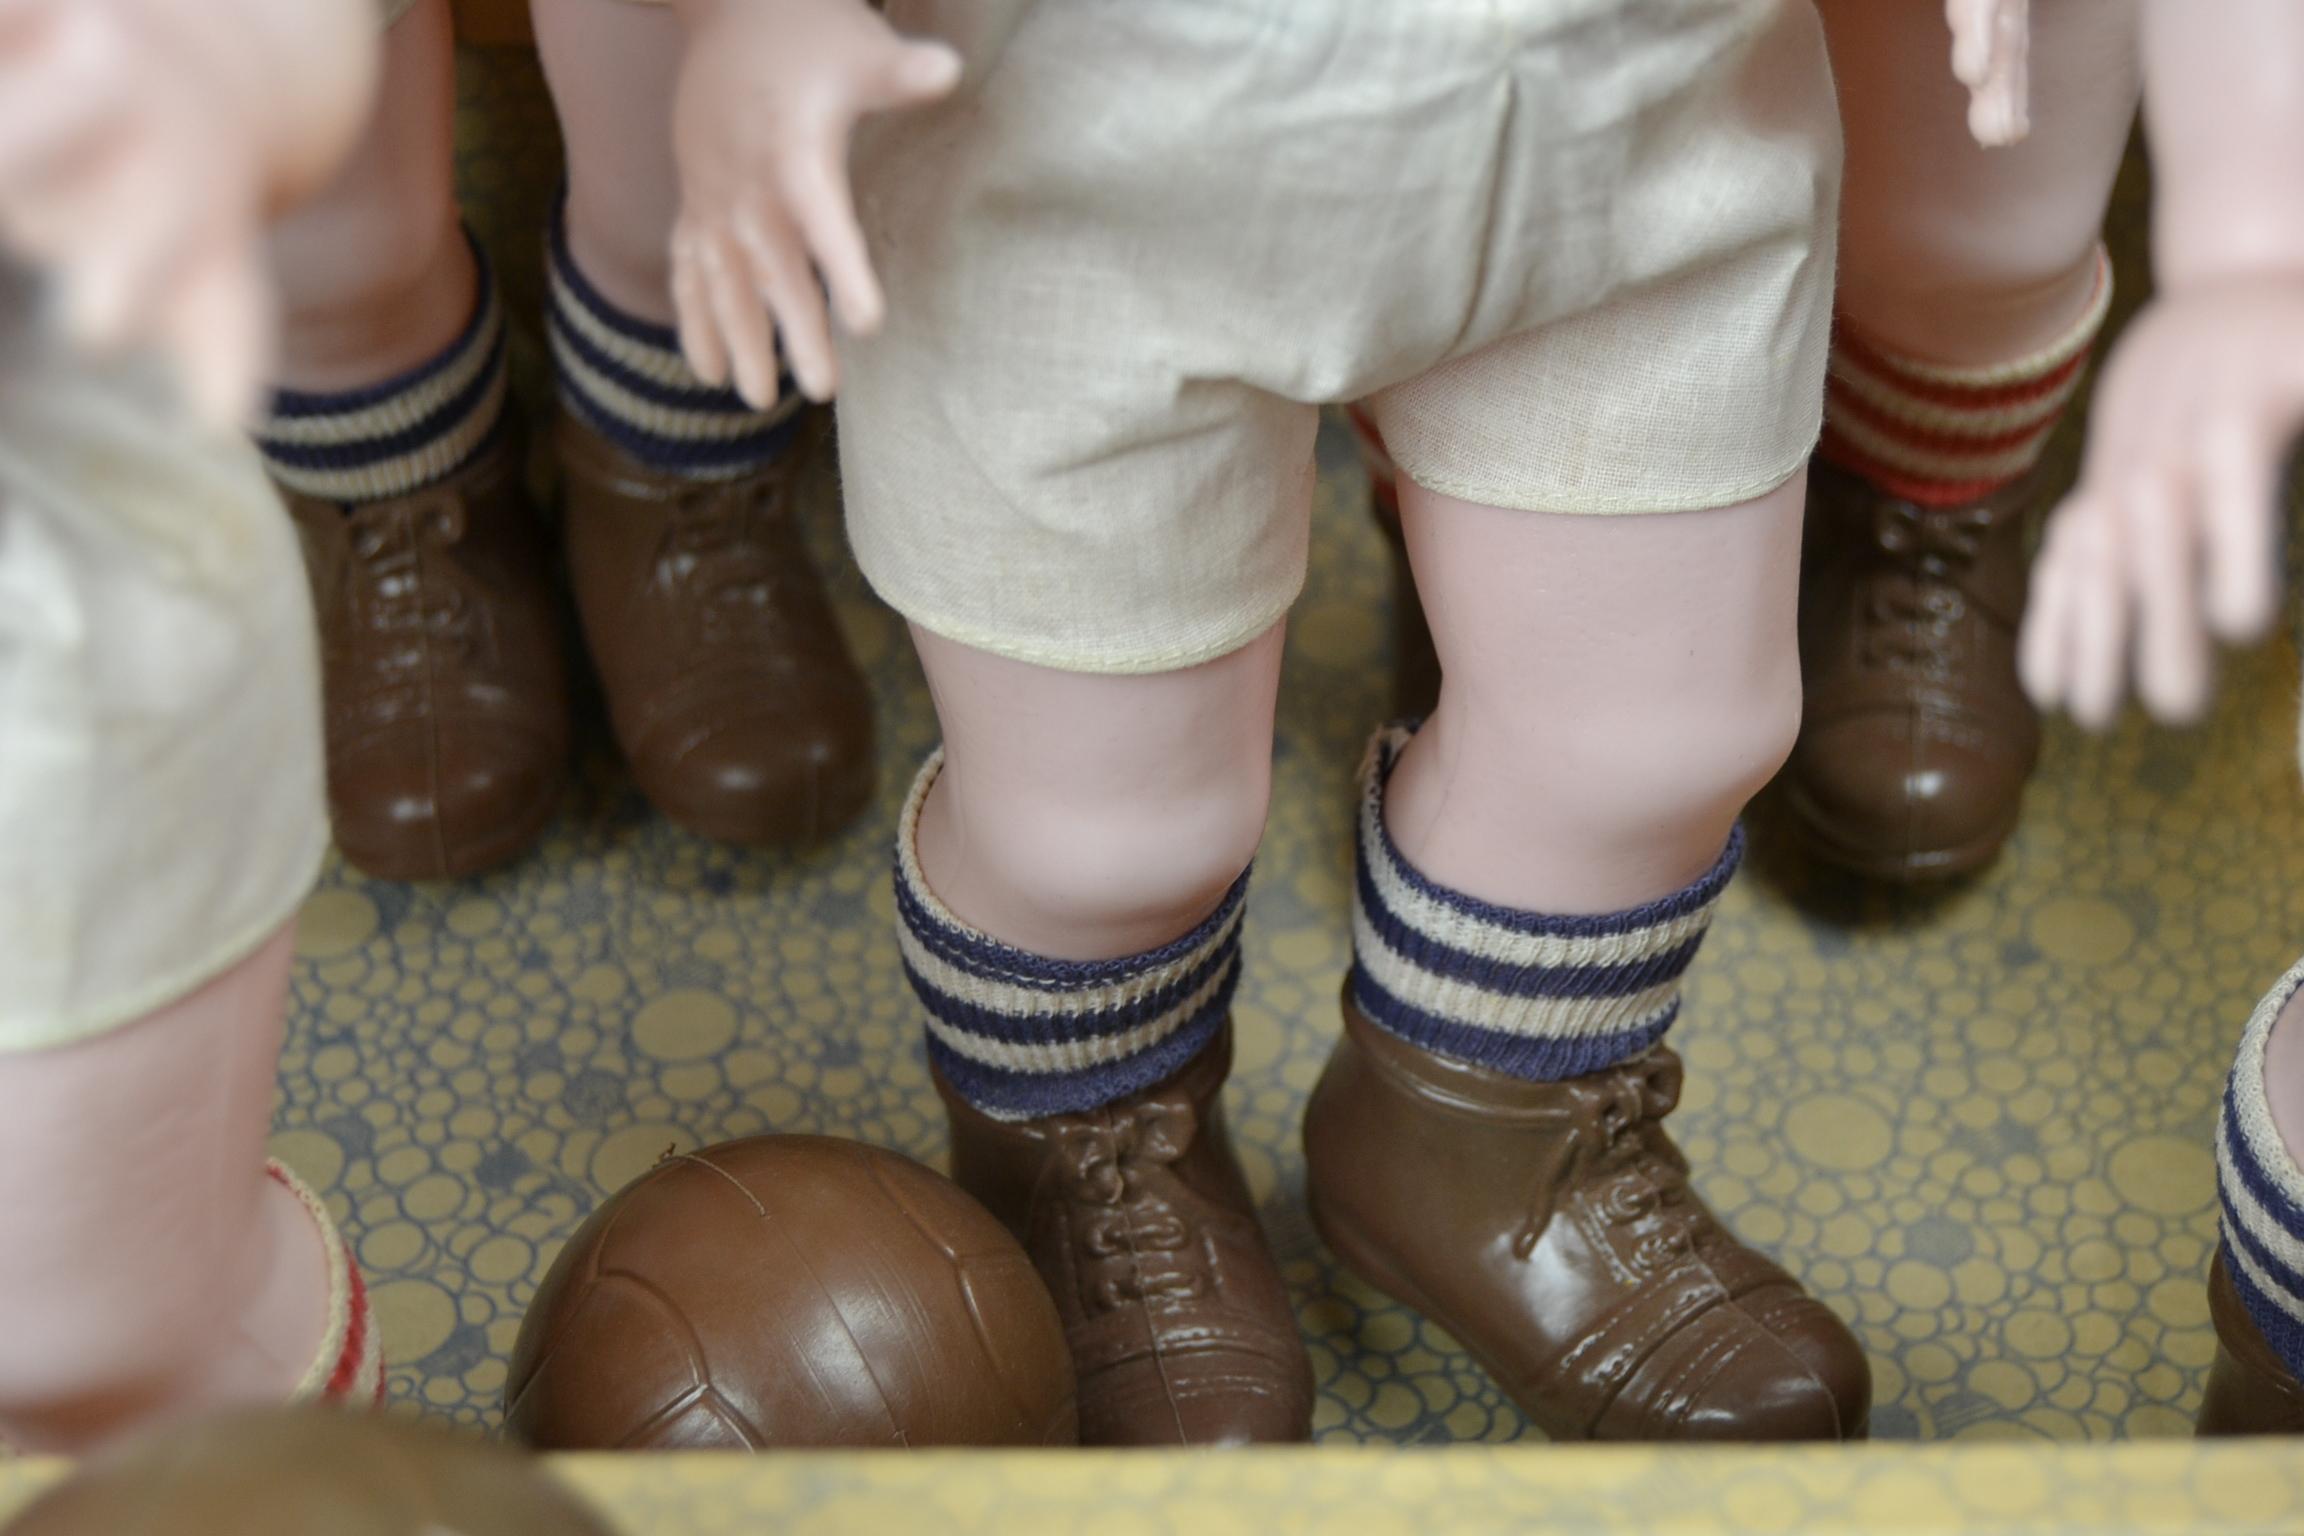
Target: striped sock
{"x": 625, "y": 378}
{"x": 2261, "y": 1191}
{"x": 403, "y": 434}
{"x": 1021, "y": 1036}
{"x": 349, "y": 1367}
{"x": 1523, "y": 993}
{"x": 1941, "y": 436}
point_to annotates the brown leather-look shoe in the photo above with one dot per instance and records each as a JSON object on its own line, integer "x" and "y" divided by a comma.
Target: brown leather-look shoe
{"x": 446, "y": 699}
{"x": 1550, "y": 1227}
{"x": 1138, "y": 1218}
{"x": 1916, "y": 738}
{"x": 2250, "y": 1392}
{"x": 729, "y": 686}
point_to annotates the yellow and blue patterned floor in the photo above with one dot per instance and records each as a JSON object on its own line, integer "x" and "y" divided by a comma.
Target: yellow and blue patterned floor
{"x": 1977, "y": 1122}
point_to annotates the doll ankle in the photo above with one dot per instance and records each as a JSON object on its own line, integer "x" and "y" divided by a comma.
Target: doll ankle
{"x": 1528, "y": 994}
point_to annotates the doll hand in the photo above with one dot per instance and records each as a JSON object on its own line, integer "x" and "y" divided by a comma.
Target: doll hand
{"x": 141, "y": 142}
{"x": 2173, "y": 531}
{"x": 1991, "y": 55}
{"x": 769, "y": 93}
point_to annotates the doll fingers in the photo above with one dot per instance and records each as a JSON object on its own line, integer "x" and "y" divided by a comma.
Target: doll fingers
{"x": 221, "y": 330}
{"x": 2172, "y": 656}
{"x": 917, "y": 71}
{"x": 742, "y": 321}
{"x": 824, "y": 207}
{"x": 2239, "y": 493}
{"x": 2096, "y": 619}
{"x": 1969, "y": 22}
{"x": 780, "y": 270}
{"x": 699, "y": 331}
{"x": 2043, "y": 646}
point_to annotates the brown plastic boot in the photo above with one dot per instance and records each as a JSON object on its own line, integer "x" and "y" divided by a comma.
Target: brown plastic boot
{"x": 731, "y": 690}
{"x": 1137, "y": 1217}
{"x": 1916, "y": 738}
{"x": 2250, "y": 1392}
{"x": 446, "y": 700}
{"x": 1550, "y": 1227}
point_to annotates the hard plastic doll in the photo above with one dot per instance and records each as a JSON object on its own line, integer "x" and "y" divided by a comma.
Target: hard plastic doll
{"x": 2171, "y": 541}
{"x": 729, "y": 687}
{"x": 1577, "y": 258}
{"x": 1972, "y": 285}
{"x": 160, "y": 794}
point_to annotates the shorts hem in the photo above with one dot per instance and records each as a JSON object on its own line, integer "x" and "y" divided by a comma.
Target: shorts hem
{"x": 1522, "y": 499}
{"x": 1122, "y": 664}
{"x": 152, "y": 996}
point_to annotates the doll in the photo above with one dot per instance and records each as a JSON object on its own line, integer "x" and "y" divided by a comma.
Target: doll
{"x": 160, "y": 798}
{"x": 1972, "y": 286}
{"x": 728, "y": 685}
{"x": 1577, "y": 258}
{"x": 2171, "y": 540}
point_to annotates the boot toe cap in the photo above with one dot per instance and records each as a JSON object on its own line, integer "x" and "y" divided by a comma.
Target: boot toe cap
{"x": 1887, "y": 794}
{"x": 1219, "y": 1396}
{"x": 767, "y": 778}
{"x": 446, "y": 804}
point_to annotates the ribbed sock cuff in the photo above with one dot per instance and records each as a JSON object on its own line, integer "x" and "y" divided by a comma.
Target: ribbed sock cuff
{"x": 1021, "y": 1036}
{"x": 348, "y": 1368}
{"x": 2261, "y": 1192}
{"x": 401, "y": 435}
{"x": 1941, "y": 436}
{"x": 1536, "y": 996}
{"x": 625, "y": 378}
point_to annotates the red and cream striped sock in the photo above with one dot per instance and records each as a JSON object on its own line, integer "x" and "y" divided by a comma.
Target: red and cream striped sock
{"x": 349, "y": 1367}
{"x": 1942, "y": 436}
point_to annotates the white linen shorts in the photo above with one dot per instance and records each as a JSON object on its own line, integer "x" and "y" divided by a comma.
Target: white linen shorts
{"x": 161, "y": 800}
{"x": 1576, "y": 255}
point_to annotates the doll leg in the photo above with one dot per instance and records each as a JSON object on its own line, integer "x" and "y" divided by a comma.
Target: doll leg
{"x": 2256, "y": 1282}
{"x": 1971, "y": 287}
{"x": 1072, "y": 869}
{"x": 447, "y": 709}
{"x": 1538, "y": 863}
{"x": 731, "y": 690}
{"x": 148, "y": 1264}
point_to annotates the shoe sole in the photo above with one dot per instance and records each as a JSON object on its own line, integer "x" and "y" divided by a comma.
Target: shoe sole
{"x": 1916, "y": 867}
{"x": 1361, "y": 1259}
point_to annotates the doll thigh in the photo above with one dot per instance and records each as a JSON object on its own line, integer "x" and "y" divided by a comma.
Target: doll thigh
{"x": 146, "y": 1262}
{"x": 612, "y": 66}
{"x": 1614, "y": 689}
{"x": 1084, "y": 816}
{"x": 1951, "y": 251}
{"x": 375, "y": 277}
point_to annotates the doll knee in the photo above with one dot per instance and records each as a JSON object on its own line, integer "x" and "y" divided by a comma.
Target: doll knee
{"x": 1119, "y": 858}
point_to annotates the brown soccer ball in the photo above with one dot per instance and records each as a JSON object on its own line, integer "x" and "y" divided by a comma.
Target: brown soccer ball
{"x": 280, "y": 1472}
{"x": 790, "y": 1291}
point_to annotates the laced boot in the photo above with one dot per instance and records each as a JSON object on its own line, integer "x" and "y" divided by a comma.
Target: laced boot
{"x": 446, "y": 700}
{"x": 1551, "y": 1228}
{"x": 1139, "y": 1220}
{"x": 1916, "y": 739}
{"x": 2250, "y": 1391}
{"x": 730, "y": 688}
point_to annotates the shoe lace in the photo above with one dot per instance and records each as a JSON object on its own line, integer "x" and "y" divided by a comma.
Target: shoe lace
{"x": 720, "y": 544}
{"x": 1912, "y": 607}
{"x": 1646, "y": 1183}
{"x": 1137, "y": 1243}
{"x": 405, "y": 592}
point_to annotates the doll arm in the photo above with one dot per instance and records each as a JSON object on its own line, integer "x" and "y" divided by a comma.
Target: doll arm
{"x": 143, "y": 143}
{"x": 1992, "y": 56}
{"x": 2172, "y": 534}
{"x": 769, "y": 93}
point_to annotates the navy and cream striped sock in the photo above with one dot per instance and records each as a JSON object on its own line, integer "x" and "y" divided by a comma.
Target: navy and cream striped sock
{"x": 401, "y": 435}
{"x": 625, "y": 378}
{"x": 1523, "y": 993}
{"x": 2261, "y": 1192}
{"x": 1021, "y": 1036}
